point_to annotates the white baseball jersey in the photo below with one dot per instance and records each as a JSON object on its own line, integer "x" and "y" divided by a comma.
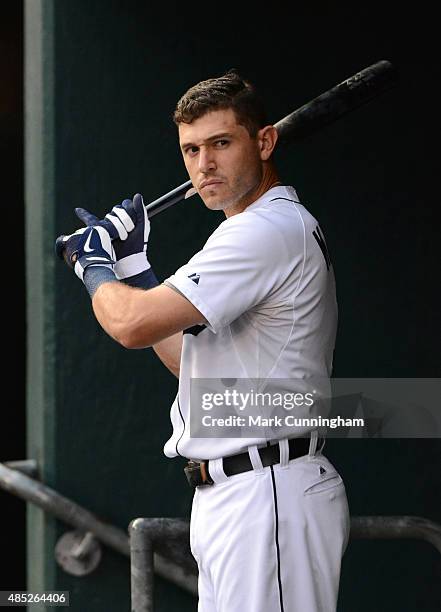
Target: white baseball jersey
{"x": 265, "y": 286}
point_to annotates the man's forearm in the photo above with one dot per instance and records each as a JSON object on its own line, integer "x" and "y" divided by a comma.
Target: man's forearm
{"x": 137, "y": 318}
{"x": 112, "y": 305}
{"x": 114, "y": 320}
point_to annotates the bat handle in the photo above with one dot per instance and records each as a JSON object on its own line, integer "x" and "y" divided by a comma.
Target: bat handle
{"x": 60, "y": 249}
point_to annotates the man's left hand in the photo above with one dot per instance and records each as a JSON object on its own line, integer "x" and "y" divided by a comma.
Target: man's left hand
{"x": 89, "y": 246}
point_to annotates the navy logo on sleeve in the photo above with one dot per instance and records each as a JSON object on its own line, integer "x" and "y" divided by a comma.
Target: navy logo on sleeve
{"x": 194, "y": 277}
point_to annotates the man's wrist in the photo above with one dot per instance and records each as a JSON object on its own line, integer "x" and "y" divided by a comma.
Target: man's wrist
{"x": 144, "y": 280}
{"x": 95, "y": 276}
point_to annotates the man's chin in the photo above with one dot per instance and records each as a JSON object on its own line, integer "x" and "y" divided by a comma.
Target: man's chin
{"x": 214, "y": 203}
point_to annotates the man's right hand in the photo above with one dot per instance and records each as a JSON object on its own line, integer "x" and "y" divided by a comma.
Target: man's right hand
{"x": 129, "y": 228}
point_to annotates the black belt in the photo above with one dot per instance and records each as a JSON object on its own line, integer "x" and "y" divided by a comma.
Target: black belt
{"x": 198, "y": 474}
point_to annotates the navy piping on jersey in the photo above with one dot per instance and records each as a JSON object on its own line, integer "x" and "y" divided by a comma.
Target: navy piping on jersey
{"x": 279, "y": 579}
{"x": 194, "y": 331}
{"x": 183, "y": 420}
{"x": 287, "y": 199}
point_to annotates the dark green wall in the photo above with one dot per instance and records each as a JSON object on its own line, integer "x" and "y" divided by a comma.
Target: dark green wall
{"x": 98, "y": 413}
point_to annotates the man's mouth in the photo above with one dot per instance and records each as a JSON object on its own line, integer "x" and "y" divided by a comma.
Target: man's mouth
{"x": 209, "y": 182}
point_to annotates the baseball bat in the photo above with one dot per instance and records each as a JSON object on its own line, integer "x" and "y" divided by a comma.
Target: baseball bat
{"x": 309, "y": 118}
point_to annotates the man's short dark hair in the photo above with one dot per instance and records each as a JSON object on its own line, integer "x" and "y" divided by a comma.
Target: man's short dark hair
{"x": 227, "y": 91}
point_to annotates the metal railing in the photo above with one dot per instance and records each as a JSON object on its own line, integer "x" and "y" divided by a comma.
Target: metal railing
{"x": 396, "y": 527}
{"x": 76, "y": 552}
{"x": 148, "y": 533}
{"x": 146, "y": 536}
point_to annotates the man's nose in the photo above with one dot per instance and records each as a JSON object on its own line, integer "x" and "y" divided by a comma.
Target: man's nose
{"x": 207, "y": 162}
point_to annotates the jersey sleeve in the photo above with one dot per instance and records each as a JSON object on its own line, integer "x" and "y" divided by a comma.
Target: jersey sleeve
{"x": 241, "y": 265}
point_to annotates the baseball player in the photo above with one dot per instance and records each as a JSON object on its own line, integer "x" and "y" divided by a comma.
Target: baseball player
{"x": 270, "y": 519}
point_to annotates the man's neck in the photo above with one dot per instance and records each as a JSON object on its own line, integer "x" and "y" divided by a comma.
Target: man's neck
{"x": 268, "y": 181}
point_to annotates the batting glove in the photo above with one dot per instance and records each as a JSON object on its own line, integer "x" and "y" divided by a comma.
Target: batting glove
{"x": 89, "y": 246}
{"x": 129, "y": 227}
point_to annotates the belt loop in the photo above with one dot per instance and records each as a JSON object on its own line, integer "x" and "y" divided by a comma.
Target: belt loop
{"x": 313, "y": 443}
{"x": 256, "y": 460}
{"x": 216, "y": 470}
{"x": 284, "y": 453}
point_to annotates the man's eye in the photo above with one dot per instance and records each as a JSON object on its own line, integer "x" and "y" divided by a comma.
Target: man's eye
{"x": 191, "y": 151}
{"x": 221, "y": 143}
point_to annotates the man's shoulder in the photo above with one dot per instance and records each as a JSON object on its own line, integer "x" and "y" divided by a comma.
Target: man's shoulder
{"x": 276, "y": 218}
{"x": 281, "y": 210}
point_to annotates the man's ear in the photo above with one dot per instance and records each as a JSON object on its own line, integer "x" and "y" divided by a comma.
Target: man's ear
{"x": 267, "y": 139}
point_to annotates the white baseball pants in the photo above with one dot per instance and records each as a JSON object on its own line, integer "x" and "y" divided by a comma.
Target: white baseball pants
{"x": 271, "y": 539}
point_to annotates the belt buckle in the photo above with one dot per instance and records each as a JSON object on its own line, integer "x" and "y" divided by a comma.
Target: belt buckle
{"x": 197, "y": 474}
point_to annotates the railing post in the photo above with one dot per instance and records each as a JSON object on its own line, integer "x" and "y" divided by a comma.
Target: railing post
{"x": 146, "y": 534}
{"x": 141, "y": 562}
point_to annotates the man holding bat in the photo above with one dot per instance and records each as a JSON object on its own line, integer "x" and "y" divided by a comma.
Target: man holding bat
{"x": 270, "y": 519}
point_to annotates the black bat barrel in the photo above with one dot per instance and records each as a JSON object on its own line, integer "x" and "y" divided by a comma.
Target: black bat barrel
{"x": 338, "y": 101}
